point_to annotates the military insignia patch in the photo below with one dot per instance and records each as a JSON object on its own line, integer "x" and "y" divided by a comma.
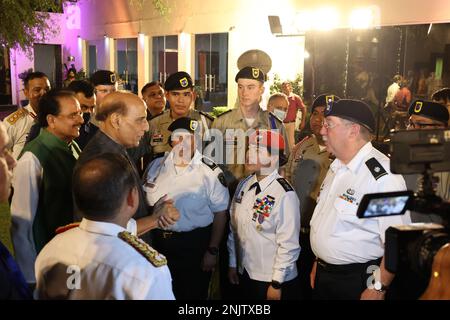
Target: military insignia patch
{"x": 350, "y": 191}
{"x": 155, "y": 258}
{"x": 222, "y": 180}
{"x": 112, "y": 78}
{"x": 329, "y": 98}
{"x": 262, "y": 208}
{"x": 418, "y": 106}
{"x": 255, "y": 73}
{"x": 376, "y": 169}
{"x": 193, "y": 125}
{"x": 12, "y": 119}
{"x": 184, "y": 82}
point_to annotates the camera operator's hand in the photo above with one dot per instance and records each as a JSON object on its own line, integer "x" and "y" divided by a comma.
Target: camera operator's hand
{"x": 372, "y": 294}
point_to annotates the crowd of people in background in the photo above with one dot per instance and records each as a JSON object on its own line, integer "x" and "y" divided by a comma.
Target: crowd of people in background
{"x": 108, "y": 195}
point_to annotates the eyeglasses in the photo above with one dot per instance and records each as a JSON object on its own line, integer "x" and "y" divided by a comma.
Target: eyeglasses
{"x": 72, "y": 116}
{"x": 328, "y": 125}
{"x": 331, "y": 125}
{"x": 421, "y": 125}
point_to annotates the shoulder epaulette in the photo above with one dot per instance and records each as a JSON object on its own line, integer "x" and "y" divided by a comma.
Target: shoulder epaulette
{"x": 19, "y": 114}
{"x": 155, "y": 258}
{"x": 376, "y": 169}
{"x": 228, "y": 111}
{"x": 304, "y": 139}
{"x": 209, "y": 163}
{"x": 157, "y": 116}
{"x": 285, "y": 184}
{"x": 210, "y": 117}
{"x": 66, "y": 227}
{"x": 276, "y": 118}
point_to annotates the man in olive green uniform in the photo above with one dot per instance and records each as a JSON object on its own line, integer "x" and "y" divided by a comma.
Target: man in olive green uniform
{"x": 306, "y": 169}
{"x": 248, "y": 116}
{"x": 180, "y": 95}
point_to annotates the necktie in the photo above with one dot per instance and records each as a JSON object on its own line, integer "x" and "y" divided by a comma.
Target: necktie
{"x": 257, "y": 188}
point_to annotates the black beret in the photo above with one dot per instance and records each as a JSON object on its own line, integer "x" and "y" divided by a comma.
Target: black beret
{"x": 353, "y": 110}
{"x": 323, "y": 100}
{"x": 429, "y": 109}
{"x": 252, "y": 73}
{"x": 184, "y": 123}
{"x": 103, "y": 77}
{"x": 178, "y": 81}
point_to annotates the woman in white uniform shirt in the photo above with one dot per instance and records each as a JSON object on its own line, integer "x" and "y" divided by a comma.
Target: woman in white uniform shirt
{"x": 197, "y": 186}
{"x": 264, "y": 224}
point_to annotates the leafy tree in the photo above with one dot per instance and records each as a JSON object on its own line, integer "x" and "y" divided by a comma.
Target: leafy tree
{"x": 296, "y": 84}
{"x": 25, "y": 22}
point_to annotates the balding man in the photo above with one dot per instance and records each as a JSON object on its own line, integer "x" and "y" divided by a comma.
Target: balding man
{"x": 124, "y": 119}
{"x": 100, "y": 258}
{"x": 348, "y": 248}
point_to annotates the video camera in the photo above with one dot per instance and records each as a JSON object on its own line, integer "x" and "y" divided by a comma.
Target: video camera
{"x": 410, "y": 249}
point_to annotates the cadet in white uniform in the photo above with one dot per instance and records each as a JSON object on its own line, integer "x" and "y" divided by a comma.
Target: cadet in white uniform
{"x": 345, "y": 246}
{"x": 197, "y": 187}
{"x": 264, "y": 224}
{"x": 100, "y": 259}
{"x": 19, "y": 123}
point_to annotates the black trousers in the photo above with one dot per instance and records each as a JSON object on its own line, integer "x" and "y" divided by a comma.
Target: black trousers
{"x": 250, "y": 289}
{"x": 341, "y": 282}
{"x": 304, "y": 266}
{"x": 184, "y": 252}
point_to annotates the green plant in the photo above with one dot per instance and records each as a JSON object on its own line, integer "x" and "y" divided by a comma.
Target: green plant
{"x": 161, "y": 6}
{"x": 24, "y": 22}
{"x": 80, "y": 75}
{"x": 296, "y": 84}
{"x": 217, "y": 111}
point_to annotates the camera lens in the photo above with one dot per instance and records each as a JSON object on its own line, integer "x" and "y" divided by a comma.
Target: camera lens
{"x": 422, "y": 251}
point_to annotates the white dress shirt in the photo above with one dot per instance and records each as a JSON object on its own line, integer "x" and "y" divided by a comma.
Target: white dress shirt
{"x": 196, "y": 190}
{"x": 391, "y": 92}
{"x": 264, "y": 230}
{"x": 338, "y": 236}
{"x": 92, "y": 262}
{"x": 26, "y": 181}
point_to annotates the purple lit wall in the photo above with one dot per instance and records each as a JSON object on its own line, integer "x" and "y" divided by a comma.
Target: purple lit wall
{"x": 69, "y": 26}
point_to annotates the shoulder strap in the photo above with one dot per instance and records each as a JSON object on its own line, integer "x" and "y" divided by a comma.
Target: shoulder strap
{"x": 209, "y": 163}
{"x": 376, "y": 169}
{"x": 206, "y": 115}
{"x": 228, "y": 111}
{"x": 155, "y": 258}
{"x": 285, "y": 184}
{"x": 66, "y": 227}
{"x": 12, "y": 118}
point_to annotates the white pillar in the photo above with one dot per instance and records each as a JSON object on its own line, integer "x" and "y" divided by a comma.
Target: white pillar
{"x": 144, "y": 59}
{"x": 186, "y": 53}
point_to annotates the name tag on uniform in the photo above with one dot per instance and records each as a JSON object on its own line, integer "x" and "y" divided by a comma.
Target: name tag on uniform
{"x": 156, "y": 138}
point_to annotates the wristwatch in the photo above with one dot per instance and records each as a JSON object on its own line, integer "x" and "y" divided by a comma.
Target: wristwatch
{"x": 276, "y": 285}
{"x": 378, "y": 286}
{"x": 213, "y": 251}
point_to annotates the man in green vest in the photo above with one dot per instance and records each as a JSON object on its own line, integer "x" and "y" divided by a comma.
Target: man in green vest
{"x": 42, "y": 180}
